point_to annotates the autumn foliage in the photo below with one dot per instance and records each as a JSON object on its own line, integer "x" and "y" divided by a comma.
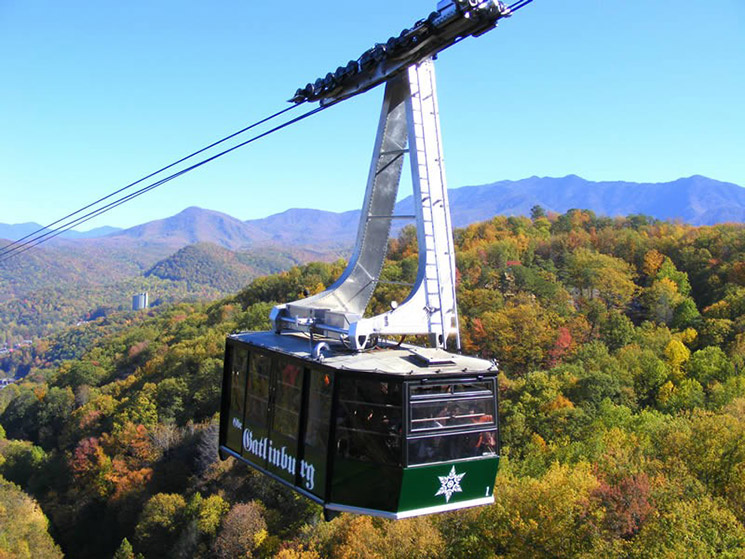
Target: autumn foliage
{"x": 621, "y": 345}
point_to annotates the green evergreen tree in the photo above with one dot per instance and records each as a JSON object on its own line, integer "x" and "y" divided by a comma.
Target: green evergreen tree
{"x": 125, "y": 551}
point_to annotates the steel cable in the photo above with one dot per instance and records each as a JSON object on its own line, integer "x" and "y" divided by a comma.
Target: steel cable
{"x": 39, "y": 236}
{"x": 18, "y": 244}
{"x": 517, "y": 5}
{"x": 111, "y": 205}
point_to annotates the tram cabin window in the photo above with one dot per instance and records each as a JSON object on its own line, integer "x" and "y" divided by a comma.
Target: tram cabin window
{"x": 237, "y": 365}
{"x": 451, "y": 421}
{"x": 369, "y": 421}
{"x": 286, "y": 396}
{"x": 316, "y": 440}
{"x": 257, "y": 403}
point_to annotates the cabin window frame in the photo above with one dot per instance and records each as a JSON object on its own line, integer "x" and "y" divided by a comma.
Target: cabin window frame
{"x": 474, "y": 431}
{"x": 272, "y": 428}
{"x": 325, "y": 468}
{"x": 354, "y": 380}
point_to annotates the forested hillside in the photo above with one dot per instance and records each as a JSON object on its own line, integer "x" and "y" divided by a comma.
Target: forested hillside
{"x": 54, "y": 309}
{"x": 23, "y": 526}
{"x": 622, "y": 349}
{"x": 207, "y": 264}
{"x": 49, "y": 291}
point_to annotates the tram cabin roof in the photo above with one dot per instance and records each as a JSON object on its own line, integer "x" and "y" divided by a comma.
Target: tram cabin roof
{"x": 387, "y": 358}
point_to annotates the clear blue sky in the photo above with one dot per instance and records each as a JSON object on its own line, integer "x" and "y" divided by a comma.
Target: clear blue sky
{"x": 96, "y": 94}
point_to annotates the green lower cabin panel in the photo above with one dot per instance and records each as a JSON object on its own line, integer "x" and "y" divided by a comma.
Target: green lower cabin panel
{"x": 365, "y": 485}
{"x": 446, "y": 486}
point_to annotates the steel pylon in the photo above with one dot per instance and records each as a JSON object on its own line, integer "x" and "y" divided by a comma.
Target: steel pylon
{"x": 409, "y": 116}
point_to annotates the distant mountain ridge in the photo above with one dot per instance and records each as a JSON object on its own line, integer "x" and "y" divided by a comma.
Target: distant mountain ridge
{"x": 696, "y": 200}
{"x": 203, "y": 253}
{"x": 197, "y": 225}
{"x": 19, "y": 230}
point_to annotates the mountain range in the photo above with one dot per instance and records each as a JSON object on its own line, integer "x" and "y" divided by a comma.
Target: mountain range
{"x": 201, "y": 253}
{"x": 696, "y": 200}
{"x": 20, "y": 230}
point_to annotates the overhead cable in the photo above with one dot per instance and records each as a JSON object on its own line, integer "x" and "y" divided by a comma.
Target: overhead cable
{"x": 477, "y": 18}
{"x": 517, "y": 5}
{"x": 17, "y": 244}
{"x": 19, "y": 249}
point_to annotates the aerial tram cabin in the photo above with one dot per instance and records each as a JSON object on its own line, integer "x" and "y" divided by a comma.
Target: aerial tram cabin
{"x": 332, "y": 403}
{"x": 397, "y": 431}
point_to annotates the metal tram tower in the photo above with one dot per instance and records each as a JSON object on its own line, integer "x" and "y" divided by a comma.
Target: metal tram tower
{"x": 409, "y": 123}
{"x": 409, "y": 117}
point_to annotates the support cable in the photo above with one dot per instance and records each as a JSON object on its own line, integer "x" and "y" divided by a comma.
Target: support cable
{"x": 63, "y": 224}
{"x": 517, "y": 5}
{"x": 7, "y": 249}
{"x": 19, "y": 249}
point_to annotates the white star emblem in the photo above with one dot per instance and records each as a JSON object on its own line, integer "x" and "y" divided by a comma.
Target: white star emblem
{"x": 450, "y": 484}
